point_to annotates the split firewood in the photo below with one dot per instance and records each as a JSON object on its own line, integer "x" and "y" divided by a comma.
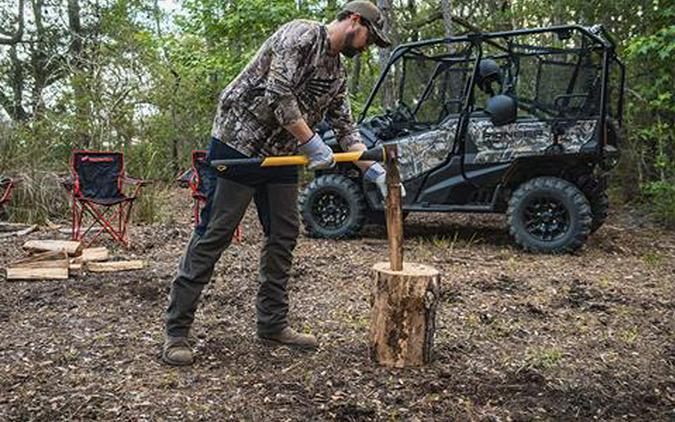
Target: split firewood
{"x": 92, "y": 254}
{"x": 42, "y": 266}
{"x": 50, "y": 273}
{"x": 45, "y": 266}
{"x": 101, "y": 267}
{"x": 73, "y": 248}
{"x": 42, "y": 256}
{"x": 52, "y": 263}
{"x": 75, "y": 269}
{"x": 88, "y": 255}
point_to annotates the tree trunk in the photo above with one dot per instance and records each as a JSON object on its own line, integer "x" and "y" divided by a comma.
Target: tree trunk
{"x": 446, "y": 10}
{"x": 412, "y": 9}
{"x": 75, "y": 28}
{"x": 175, "y": 142}
{"x": 13, "y": 105}
{"x": 15, "y": 37}
{"x": 403, "y": 314}
{"x": 17, "y": 111}
{"x": 387, "y": 88}
{"x": 77, "y": 71}
{"x": 38, "y": 59}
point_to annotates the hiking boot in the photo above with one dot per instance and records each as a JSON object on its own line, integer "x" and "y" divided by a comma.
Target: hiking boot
{"x": 289, "y": 337}
{"x": 177, "y": 351}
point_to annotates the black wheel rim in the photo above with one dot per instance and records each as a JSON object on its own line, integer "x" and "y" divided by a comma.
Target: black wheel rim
{"x": 546, "y": 219}
{"x": 330, "y": 210}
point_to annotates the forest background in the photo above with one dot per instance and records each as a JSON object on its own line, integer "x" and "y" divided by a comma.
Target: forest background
{"x": 143, "y": 76}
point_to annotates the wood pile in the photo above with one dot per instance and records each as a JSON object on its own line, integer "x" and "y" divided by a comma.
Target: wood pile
{"x": 61, "y": 259}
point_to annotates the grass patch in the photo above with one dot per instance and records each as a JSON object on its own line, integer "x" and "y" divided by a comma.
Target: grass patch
{"x": 630, "y": 336}
{"x": 543, "y": 358}
{"x": 653, "y": 259}
{"x": 39, "y": 197}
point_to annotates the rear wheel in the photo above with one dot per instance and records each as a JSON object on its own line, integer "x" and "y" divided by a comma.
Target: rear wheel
{"x": 332, "y": 207}
{"x": 550, "y": 215}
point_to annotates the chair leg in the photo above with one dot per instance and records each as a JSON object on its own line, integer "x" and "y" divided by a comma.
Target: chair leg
{"x": 75, "y": 231}
{"x": 119, "y": 213}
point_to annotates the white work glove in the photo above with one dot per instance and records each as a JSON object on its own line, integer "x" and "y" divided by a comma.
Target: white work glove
{"x": 378, "y": 175}
{"x": 320, "y": 155}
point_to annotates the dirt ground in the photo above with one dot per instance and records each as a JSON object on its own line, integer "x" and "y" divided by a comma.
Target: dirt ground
{"x": 519, "y": 336}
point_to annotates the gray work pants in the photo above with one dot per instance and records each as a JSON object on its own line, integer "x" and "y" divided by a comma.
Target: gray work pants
{"x": 277, "y": 210}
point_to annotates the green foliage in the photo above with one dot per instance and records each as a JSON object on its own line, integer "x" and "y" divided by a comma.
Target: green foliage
{"x": 662, "y": 200}
{"x": 651, "y": 113}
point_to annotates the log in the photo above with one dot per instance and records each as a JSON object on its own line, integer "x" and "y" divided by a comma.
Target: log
{"x": 55, "y": 263}
{"x": 403, "y": 314}
{"x": 39, "y": 270}
{"x": 93, "y": 254}
{"x": 102, "y": 267}
{"x": 393, "y": 211}
{"x": 75, "y": 269}
{"x": 42, "y": 256}
{"x": 71, "y": 247}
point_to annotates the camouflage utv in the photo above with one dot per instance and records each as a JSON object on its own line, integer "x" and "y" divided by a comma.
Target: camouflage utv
{"x": 524, "y": 123}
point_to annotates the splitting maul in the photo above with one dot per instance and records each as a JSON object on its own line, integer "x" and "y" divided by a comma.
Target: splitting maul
{"x": 375, "y": 154}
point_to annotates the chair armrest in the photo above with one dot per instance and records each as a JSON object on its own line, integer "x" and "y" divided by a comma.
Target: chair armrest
{"x": 67, "y": 181}
{"x": 185, "y": 178}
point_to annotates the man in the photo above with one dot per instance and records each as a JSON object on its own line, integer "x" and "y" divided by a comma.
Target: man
{"x": 296, "y": 79}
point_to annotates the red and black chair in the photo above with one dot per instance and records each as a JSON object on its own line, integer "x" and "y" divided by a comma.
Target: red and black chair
{"x": 6, "y": 186}
{"x": 200, "y": 179}
{"x": 97, "y": 190}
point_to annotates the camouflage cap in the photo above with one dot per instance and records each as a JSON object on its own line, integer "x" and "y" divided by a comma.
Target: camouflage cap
{"x": 374, "y": 17}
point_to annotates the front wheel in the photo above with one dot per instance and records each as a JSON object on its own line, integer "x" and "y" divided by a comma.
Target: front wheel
{"x": 549, "y": 215}
{"x": 332, "y": 207}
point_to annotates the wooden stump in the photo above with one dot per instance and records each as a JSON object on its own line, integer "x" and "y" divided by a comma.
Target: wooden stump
{"x": 403, "y": 314}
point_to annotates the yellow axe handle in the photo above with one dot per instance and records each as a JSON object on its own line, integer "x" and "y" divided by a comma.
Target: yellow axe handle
{"x": 375, "y": 154}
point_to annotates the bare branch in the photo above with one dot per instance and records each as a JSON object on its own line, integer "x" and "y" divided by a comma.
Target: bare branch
{"x": 14, "y": 38}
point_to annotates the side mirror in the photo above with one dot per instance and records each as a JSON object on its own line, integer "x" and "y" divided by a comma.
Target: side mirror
{"x": 502, "y": 110}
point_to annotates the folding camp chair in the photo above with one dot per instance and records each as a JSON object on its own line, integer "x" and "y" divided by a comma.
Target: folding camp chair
{"x": 97, "y": 181}
{"x": 200, "y": 180}
{"x": 6, "y": 186}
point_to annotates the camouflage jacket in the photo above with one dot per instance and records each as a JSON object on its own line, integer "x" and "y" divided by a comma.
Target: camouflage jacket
{"x": 292, "y": 77}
